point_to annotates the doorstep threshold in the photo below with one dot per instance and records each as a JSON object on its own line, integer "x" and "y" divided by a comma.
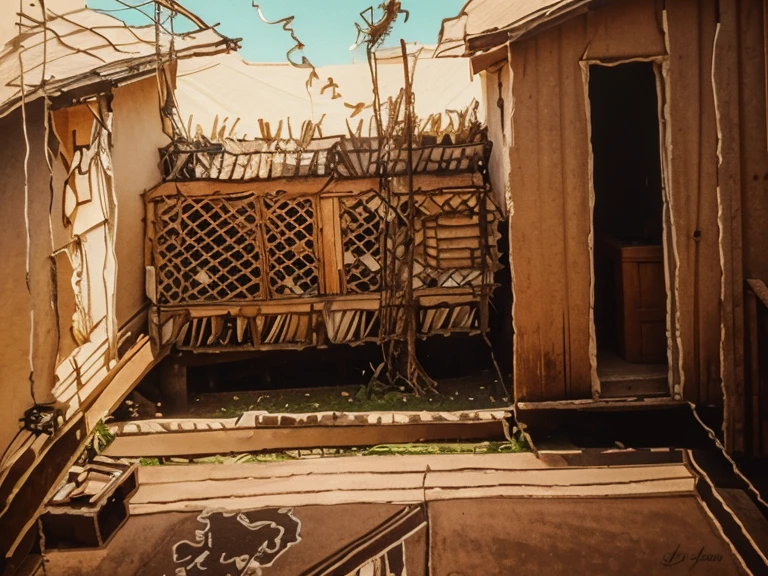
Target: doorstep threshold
{"x": 620, "y": 403}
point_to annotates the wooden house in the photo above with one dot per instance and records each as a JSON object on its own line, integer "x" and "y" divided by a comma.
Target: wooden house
{"x": 80, "y": 122}
{"x": 630, "y": 138}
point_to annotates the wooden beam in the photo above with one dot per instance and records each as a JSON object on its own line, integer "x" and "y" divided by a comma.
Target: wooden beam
{"x": 128, "y": 374}
{"x": 485, "y": 60}
{"x": 487, "y": 41}
{"x": 238, "y": 440}
{"x": 30, "y": 492}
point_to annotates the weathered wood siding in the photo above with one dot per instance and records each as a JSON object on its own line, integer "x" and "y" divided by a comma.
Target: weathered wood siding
{"x": 550, "y": 186}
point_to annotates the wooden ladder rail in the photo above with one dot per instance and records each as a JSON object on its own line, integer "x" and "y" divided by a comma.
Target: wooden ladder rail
{"x": 756, "y": 348}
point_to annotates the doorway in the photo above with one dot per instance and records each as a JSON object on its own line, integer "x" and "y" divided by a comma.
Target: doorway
{"x": 630, "y": 292}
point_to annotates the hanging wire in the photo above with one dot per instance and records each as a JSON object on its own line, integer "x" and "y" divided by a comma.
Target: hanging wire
{"x": 49, "y": 164}
{"x": 27, "y": 235}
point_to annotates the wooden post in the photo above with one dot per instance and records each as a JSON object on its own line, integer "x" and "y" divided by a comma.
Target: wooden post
{"x": 173, "y": 386}
{"x": 752, "y": 395}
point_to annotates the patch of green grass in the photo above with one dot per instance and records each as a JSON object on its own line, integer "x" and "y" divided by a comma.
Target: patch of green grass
{"x": 460, "y": 394}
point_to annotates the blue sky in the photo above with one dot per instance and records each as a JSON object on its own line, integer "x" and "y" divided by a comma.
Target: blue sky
{"x": 326, "y": 27}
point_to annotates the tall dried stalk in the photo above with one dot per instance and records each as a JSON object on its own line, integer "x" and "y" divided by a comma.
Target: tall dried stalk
{"x": 398, "y": 309}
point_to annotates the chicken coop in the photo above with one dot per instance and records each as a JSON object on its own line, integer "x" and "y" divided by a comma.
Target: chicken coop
{"x": 271, "y": 245}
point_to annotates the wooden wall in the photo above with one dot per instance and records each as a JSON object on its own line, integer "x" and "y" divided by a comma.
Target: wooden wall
{"x": 113, "y": 290}
{"x": 550, "y": 188}
{"x": 746, "y": 135}
{"x": 753, "y": 141}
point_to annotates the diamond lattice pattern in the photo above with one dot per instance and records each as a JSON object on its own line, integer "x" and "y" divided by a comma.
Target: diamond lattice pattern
{"x": 290, "y": 229}
{"x": 361, "y": 220}
{"x": 206, "y": 250}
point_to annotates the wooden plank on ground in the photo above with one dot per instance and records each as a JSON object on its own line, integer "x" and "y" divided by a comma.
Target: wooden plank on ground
{"x": 254, "y": 440}
{"x": 397, "y": 480}
{"x": 300, "y": 485}
{"x": 353, "y": 464}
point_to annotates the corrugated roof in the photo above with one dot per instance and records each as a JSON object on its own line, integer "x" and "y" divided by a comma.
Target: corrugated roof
{"x": 229, "y": 87}
{"x": 84, "y": 47}
{"x": 479, "y": 17}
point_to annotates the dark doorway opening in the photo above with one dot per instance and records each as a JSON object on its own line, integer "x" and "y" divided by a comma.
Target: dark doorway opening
{"x": 630, "y": 287}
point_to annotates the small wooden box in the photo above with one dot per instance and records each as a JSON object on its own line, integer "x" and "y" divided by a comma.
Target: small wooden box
{"x": 91, "y": 524}
{"x": 641, "y": 301}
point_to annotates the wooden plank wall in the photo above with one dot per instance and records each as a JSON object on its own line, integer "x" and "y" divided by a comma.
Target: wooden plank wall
{"x": 693, "y": 183}
{"x": 752, "y": 78}
{"x": 550, "y": 225}
{"x": 749, "y": 71}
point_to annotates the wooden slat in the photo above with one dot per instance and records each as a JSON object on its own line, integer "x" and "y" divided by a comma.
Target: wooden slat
{"x": 581, "y": 491}
{"x": 449, "y": 480}
{"x": 328, "y": 217}
{"x": 171, "y": 474}
{"x": 299, "y": 484}
{"x": 556, "y": 476}
{"x": 418, "y": 478}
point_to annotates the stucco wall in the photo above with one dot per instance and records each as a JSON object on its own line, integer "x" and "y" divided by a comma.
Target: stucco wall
{"x": 137, "y": 135}
{"x": 15, "y": 301}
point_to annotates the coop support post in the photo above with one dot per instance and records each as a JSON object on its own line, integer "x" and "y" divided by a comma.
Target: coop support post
{"x": 173, "y": 386}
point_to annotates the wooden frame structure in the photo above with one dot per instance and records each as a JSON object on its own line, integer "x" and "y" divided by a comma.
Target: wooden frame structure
{"x": 250, "y": 246}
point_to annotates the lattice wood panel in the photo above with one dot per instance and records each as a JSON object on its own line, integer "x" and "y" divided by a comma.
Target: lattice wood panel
{"x": 361, "y": 230}
{"x": 290, "y": 237}
{"x": 455, "y": 237}
{"x": 206, "y": 250}
{"x": 249, "y": 248}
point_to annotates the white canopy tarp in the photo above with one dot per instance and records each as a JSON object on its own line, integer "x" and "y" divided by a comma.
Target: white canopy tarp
{"x": 231, "y": 89}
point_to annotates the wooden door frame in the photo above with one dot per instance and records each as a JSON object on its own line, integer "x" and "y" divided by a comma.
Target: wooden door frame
{"x": 675, "y": 376}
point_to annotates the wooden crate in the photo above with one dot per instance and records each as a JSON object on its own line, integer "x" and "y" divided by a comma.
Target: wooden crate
{"x": 640, "y": 301}
{"x": 87, "y": 524}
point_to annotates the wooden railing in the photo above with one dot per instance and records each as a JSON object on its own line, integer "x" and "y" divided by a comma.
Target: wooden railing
{"x": 343, "y": 157}
{"x": 756, "y": 377}
{"x": 245, "y": 161}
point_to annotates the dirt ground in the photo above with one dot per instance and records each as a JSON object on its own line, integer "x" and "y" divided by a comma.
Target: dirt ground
{"x": 470, "y": 393}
